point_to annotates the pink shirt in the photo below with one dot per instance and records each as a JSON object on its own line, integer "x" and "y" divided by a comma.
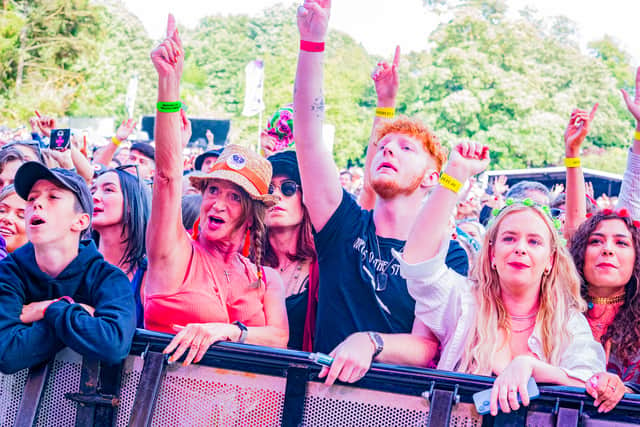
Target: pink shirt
{"x": 199, "y": 299}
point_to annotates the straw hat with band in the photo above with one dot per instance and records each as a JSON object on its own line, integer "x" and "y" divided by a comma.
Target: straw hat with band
{"x": 244, "y": 168}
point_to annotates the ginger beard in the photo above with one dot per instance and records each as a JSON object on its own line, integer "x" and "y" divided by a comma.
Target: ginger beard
{"x": 388, "y": 187}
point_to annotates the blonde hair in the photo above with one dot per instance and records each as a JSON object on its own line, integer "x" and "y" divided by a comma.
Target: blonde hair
{"x": 559, "y": 299}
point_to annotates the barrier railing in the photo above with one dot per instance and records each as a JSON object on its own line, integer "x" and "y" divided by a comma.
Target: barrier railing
{"x": 245, "y": 385}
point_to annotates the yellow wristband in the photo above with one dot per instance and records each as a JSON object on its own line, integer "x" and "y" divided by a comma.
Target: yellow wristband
{"x": 115, "y": 141}
{"x": 449, "y": 182}
{"x": 572, "y": 162}
{"x": 636, "y": 135}
{"x": 386, "y": 112}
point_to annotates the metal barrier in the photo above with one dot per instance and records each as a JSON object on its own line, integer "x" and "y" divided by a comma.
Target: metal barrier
{"x": 244, "y": 385}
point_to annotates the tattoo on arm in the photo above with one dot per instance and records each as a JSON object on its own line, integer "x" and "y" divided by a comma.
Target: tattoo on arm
{"x": 318, "y": 107}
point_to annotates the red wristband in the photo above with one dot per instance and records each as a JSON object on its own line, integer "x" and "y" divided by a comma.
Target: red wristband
{"x": 311, "y": 46}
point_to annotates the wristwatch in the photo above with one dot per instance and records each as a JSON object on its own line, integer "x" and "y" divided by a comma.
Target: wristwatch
{"x": 378, "y": 343}
{"x": 243, "y": 331}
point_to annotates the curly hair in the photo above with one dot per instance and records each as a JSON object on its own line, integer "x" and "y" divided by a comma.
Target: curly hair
{"x": 624, "y": 331}
{"x": 417, "y": 130}
{"x": 559, "y": 298}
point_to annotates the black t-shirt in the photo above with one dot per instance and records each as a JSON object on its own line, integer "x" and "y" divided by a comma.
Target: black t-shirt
{"x": 350, "y": 257}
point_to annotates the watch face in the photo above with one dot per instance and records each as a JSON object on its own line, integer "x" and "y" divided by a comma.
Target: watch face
{"x": 378, "y": 339}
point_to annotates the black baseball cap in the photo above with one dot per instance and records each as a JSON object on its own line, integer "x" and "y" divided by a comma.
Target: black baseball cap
{"x": 146, "y": 149}
{"x": 30, "y": 172}
{"x": 202, "y": 157}
{"x": 285, "y": 163}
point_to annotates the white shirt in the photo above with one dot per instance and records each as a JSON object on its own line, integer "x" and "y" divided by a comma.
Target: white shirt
{"x": 629, "y": 196}
{"x": 445, "y": 304}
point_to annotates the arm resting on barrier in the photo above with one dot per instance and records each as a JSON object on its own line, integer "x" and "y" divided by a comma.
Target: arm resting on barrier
{"x": 106, "y": 335}
{"x": 23, "y": 345}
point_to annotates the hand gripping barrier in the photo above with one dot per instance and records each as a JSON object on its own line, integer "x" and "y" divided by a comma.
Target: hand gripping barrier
{"x": 245, "y": 385}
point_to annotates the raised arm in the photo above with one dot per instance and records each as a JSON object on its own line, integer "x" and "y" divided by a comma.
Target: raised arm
{"x": 630, "y": 191}
{"x": 576, "y": 207}
{"x": 318, "y": 172}
{"x": 385, "y": 79}
{"x": 105, "y": 155}
{"x": 168, "y": 246}
{"x": 431, "y": 225}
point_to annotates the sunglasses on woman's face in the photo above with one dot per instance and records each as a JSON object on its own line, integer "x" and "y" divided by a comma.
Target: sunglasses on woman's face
{"x": 287, "y": 188}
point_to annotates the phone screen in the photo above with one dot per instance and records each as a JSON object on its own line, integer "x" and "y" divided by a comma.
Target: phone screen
{"x": 60, "y": 139}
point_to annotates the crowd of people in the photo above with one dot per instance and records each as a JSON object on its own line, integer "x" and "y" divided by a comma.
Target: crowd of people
{"x": 410, "y": 260}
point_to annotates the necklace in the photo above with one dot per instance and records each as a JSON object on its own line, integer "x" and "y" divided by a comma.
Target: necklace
{"x": 521, "y": 318}
{"x": 286, "y": 266}
{"x": 293, "y": 278}
{"x": 517, "y": 331}
{"x": 605, "y": 300}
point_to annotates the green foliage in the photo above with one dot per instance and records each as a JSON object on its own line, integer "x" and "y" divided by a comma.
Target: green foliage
{"x": 218, "y": 50}
{"x": 508, "y": 82}
{"x": 511, "y": 84}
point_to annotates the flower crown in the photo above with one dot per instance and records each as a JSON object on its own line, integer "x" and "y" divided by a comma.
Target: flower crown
{"x": 621, "y": 213}
{"x": 557, "y": 224}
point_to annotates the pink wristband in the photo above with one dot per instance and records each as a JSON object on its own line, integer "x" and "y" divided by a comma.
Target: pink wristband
{"x": 66, "y": 298}
{"x": 311, "y": 46}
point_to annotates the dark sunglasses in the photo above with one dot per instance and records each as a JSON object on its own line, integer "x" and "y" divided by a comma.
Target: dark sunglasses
{"x": 287, "y": 188}
{"x": 556, "y": 212}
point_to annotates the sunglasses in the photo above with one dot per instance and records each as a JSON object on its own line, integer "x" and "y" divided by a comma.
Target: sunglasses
{"x": 132, "y": 169}
{"x": 556, "y": 212}
{"x": 287, "y": 188}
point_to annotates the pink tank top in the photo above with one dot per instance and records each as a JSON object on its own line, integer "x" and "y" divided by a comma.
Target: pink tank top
{"x": 201, "y": 300}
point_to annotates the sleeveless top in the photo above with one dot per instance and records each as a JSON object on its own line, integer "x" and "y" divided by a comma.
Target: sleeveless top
{"x": 199, "y": 299}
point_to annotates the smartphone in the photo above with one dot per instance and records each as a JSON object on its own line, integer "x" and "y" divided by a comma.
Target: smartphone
{"x": 482, "y": 398}
{"x": 321, "y": 359}
{"x": 60, "y": 139}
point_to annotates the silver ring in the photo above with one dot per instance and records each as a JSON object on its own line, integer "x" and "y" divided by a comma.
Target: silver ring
{"x": 612, "y": 388}
{"x": 513, "y": 390}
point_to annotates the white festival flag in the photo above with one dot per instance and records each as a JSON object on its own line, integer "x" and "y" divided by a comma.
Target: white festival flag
{"x": 132, "y": 89}
{"x": 253, "y": 103}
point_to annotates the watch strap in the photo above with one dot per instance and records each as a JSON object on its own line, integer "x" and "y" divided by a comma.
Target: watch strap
{"x": 243, "y": 331}
{"x": 378, "y": 343}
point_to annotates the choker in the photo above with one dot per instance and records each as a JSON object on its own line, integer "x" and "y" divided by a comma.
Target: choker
{"x": 605, "y": 300}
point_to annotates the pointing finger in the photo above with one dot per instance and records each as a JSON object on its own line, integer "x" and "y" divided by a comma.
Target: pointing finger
{"x": 396, "y": 57}
{"x": 593, "y": 111}
{"x": 171, "y": 25}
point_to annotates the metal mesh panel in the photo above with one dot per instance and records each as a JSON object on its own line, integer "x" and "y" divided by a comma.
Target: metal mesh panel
{"x": 55, "y": 410}
{"x": 130, "y": 379}
{"x": 204, "y": 396}
{"x": 11, "y": 388}
{"x": 349, "y": 406}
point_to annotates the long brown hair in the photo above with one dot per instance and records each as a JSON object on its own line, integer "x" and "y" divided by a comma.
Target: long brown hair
{"x": 624, "y": 331}
{"x": 305, "y": 248}
{"x": 559, "y": 299}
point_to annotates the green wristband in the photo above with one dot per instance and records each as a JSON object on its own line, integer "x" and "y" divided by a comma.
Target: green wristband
{"x": 169, "y": 107}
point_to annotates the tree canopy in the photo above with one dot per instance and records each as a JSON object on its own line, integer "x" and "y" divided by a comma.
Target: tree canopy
{"x": 508, "y": 82}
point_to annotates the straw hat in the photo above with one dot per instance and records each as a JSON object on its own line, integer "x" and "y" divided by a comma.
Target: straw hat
{"x": 243, "y": 167}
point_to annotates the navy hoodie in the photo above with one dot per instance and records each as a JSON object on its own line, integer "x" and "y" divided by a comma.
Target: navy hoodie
{"x": 88, "y": 279}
